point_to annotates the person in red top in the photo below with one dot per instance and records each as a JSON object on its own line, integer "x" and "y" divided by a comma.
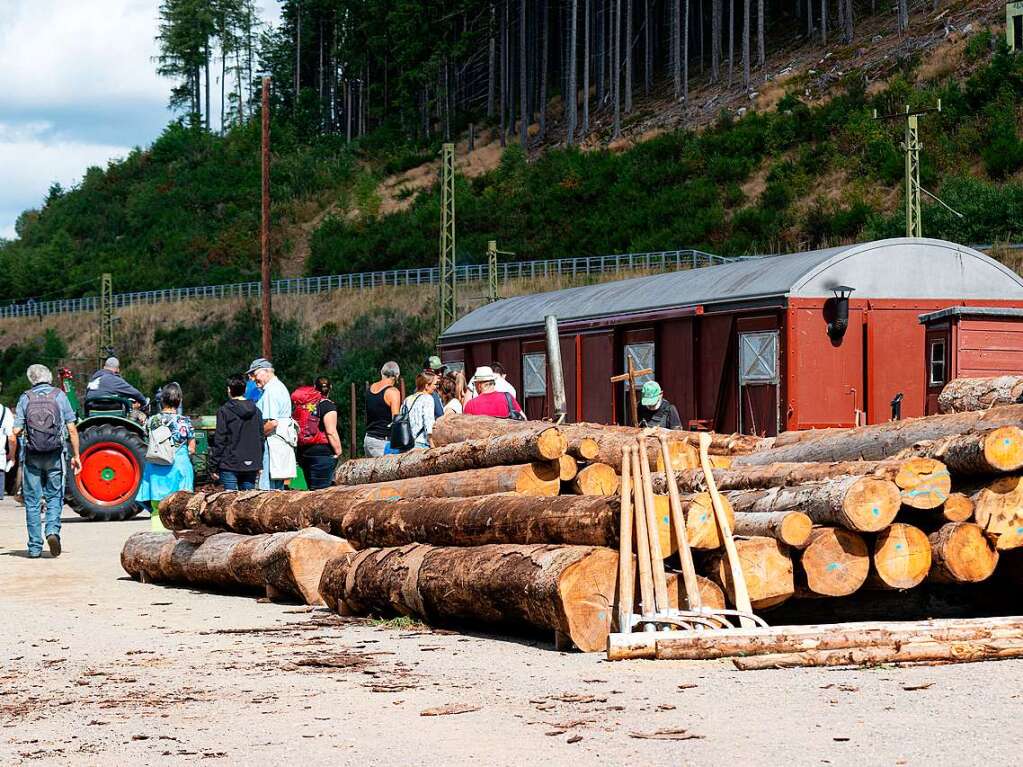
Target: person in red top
{"x": 489, "y": 401}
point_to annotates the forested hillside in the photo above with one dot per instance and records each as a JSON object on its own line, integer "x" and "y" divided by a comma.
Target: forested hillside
{"x": 727, "y": 126}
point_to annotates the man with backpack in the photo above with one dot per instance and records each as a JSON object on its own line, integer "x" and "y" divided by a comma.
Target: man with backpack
{"x": 44, "y": 420}
{"x": 490, "y": 401}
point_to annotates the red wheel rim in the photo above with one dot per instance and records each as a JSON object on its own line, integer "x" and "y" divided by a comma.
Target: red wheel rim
{"x": 110, "y": 474}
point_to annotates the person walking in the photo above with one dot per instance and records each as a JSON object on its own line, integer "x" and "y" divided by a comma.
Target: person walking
{"x": 8, "y": 444}
{"x": 236, "y": 454}
{"x": 319, "y": 444}
{"x": 654, "y": 410}
{"x": 419, "y": 409}
{"x": 161, "y": 479}
{"x": 490, "y": 401}
{"x": 279, "y": 427}
{"x": 383, "y": 401}
{"x": 44, "y": 420}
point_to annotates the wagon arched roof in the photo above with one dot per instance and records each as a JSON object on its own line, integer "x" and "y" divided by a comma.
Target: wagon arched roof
{"x": 896, "y": 268}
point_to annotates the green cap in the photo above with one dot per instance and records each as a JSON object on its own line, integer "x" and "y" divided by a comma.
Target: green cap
{"x": 651, "y": 393}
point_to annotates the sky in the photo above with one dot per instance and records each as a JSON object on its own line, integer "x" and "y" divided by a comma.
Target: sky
{"x": 78, "y": 87}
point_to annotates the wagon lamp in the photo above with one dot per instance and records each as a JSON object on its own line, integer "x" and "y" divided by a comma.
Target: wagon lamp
{"x": 837, "y": 328}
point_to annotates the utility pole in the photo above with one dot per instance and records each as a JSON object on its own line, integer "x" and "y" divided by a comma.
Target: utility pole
{"x": 448, "y": 301}
{"x": 492, "y": 254}
{"x": 911, "y": 145}
{"x": 106, "y": 318}
{"x": 264, "y": 232}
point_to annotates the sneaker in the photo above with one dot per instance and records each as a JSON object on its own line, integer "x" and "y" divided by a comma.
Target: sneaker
{"x": 34, "y": 554}
{"x": 53, "y": 541}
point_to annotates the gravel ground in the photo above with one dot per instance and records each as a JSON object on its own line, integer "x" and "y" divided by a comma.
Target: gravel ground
{"x": 98, "y": 669}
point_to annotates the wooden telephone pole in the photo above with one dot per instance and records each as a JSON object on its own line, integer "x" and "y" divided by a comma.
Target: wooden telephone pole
{"x": 264, "y": 233}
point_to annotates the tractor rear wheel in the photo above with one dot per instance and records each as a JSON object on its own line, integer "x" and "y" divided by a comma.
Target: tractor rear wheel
{"x": 112, "y": 461}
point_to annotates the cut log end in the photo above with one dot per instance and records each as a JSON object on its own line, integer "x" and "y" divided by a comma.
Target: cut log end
{"x": 902, "y": 556}
{"x": 586, "y": 449}
{"x": 596, "y": 479}
{"x": 871, "y": 504}
{"x": 1003, "y": 448}
{"x": 539, "y": 479}
{"x": 835, "y": 562}
{"x": 924, "y": 483}
{"x": 587, "y": 588}
{"x": 958, "y": 508}
{"x": 766, "y": 567}
{"x": 683, "y": 456}
{"x": 701, "y": 524}
{"x": 568, "y": 467}
{"x": 998, "y": 508}
{"x": 551, "y": 444}
{"x": 961, "y": 553}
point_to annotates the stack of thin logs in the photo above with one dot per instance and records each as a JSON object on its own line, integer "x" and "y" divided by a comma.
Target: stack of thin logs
{"x": 508, "y": 522}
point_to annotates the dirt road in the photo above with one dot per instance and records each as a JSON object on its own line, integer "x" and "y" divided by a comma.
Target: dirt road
{"x": 100, "y": 670}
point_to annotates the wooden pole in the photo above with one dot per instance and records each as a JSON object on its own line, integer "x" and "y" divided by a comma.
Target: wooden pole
{"x": 646, "y": 581}
{"x": 692, "y": 587}
{"x": 633, "y": 405}
{"x": 264, "y": 231}
{"x": 656, "y": 557}
{"x": 353, "y": 434}
{"x": 626, "y": 579}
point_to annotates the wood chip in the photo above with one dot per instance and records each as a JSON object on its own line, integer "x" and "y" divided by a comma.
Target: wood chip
{"x": 574, "y": 739}
{"x": 666, "y": 735}
{"x": 451, "y": 708}
{"x": 911, "y": 687}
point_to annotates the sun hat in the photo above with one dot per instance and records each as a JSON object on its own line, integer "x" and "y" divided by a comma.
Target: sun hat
{"x": 651, "y": 393}
{"x": 484, "y": 373}
{"x": 260, "y": 363}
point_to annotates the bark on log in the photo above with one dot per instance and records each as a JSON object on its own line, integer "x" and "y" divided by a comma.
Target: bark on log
{"x": 547, "y": 444}
{"x": 278, "y": 564}
{"x": 998, "y": 509}
{"x": 566, "y": 589}
{"x": 901, "y": 557}
{"x": 609, "y": 440}
{"x": 923, "y": 483}
{"x": 259, "y": 512}
{"x": 596, "y": 479}
{"x": 965, "y": 394}
{"x": 773, "y": 640}
{"x": 529, "y": 479}
{"x": 503, "y": 518}
{"x": 967, "y": 651}
{"x": 766, "y": 566}
{"x": 789, "y": 527}
{"x": 991, "y": 452}
{"x": 961, "y": 553}
{"x": 883, "y": 440}
{"x": 835, "y": 562}
{"x": 857, "y": 503}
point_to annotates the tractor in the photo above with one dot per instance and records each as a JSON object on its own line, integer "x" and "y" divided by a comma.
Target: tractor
{"x": 113, "y": 449}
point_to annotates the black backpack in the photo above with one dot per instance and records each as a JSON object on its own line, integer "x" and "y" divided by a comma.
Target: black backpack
{"x": 513, "y": 414}
{"x": 44, "y": 431}
{"x": 402, "y": 438}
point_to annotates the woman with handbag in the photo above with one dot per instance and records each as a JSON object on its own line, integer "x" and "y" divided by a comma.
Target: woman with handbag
{"x": 414, "y": 424}
{"x": 170, "y": 447}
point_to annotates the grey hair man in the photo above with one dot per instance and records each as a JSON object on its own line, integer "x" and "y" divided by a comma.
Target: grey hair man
{"x": 107, "y": 382}
{"x": 383, "y": 402}
{"x": 279, "y": 462}
{"x": 45, "y": 422}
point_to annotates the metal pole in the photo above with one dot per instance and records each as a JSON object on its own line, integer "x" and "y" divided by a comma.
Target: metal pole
{"x": 448, "y": 301}
{"x": 106, "y": 317}
{"x": 914, "y": 226}
{"x": 264, "y": 233}
{"x": 557, "y": 371}
{"x": 492, "y": 271}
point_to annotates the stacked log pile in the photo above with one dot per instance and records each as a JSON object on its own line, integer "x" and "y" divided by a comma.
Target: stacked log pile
{"x": 510, "y": 523}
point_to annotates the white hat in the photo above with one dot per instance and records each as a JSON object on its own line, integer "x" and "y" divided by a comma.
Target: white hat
{"x": 484, "y": 373}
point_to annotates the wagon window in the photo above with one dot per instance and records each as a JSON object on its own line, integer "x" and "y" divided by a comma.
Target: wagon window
{"x": 937, "y": 363}
{"x": 642, "y": 358}
{"x": 758, "y": 357}
{"x": 455, "y": 366}
{"x": 534, "y": 375}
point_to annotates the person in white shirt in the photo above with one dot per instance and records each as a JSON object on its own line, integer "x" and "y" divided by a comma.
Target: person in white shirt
{"x": 8, "y": 444}
{"x": 280, "y": 429}
{"x": 500, "y": 382}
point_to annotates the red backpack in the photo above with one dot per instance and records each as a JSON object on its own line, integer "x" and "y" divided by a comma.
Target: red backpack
{"x": 304, "y": 401}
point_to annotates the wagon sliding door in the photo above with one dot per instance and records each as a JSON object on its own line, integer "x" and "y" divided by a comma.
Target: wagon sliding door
{"x": 758, "y": 382}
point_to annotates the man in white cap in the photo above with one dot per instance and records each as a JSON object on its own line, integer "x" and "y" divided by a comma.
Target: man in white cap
{"x": 279, "y": 427}
{"x": 490, "y": 401}
{"x": 107, "y": 382}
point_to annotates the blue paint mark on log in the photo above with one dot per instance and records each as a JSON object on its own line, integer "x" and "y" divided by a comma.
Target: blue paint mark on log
{"x": 833, "y": 566}
{"x": 876, "y": 511}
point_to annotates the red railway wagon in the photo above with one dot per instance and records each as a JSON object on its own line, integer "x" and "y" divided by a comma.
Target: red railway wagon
{"x": 970, "y": 342}
{"x": 808, "y": 340}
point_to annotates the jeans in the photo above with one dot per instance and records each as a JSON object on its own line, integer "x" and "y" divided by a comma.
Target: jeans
{"x": 3, "y": 479}
{"x": 319, "y": 470}
{"x": 42, "y": 476}
{"x": 237, "y": 480}
{"x": 373, "y": 447}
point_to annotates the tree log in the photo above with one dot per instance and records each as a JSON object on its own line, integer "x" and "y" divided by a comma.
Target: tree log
{"x": 965, "y": 394}
{"x": 967, "y": 651}
{"x": 774, "y": 640}
{"x": 923, "y": 483}
{"x": 584, "y": 449}
{"x": 857, "y": 503}
{"x": 961, "y": 553}
{"x": 835, "y": 562}
{"x": 567, "y": 589}
{"x": 701, "y": 525}
{"x": 596, "y": 479}
{"x": 789, "y": 527}
{"x": 901, "y": 557}
{"x": 260, "y": 512}
{"x": 879, "y": 441}
{"x": 527, "y": 479}
{"x": 546, "y": 444}
{"x": 998, "y": 509}
{"x": 766, "y": 566}
{"x": 711, "y": 595}
{"x": 991, "y": 452}
{"x": 568, "y": 468}
{"x": 958, "y": 507}
{"x": 279, "y": 564}
{"x": 503, "y": 518}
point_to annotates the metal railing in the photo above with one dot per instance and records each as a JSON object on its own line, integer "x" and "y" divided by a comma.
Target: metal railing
{"x": 661, "y": 261}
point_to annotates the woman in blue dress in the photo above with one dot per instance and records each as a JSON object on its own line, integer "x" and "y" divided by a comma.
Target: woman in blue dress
{"x": 159, "y": 481}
